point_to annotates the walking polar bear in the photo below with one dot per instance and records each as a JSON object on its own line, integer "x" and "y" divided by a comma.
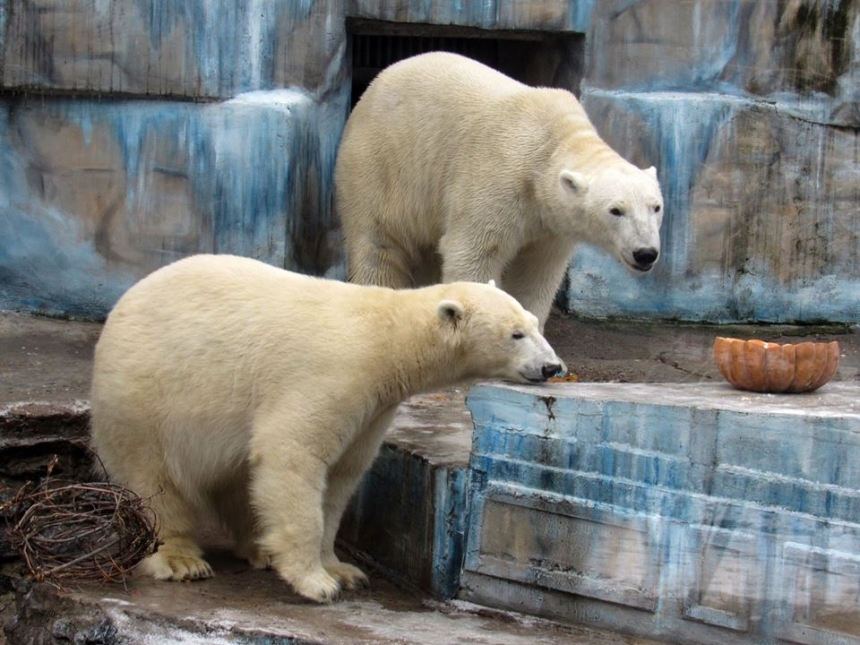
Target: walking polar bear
{"x": 449, "y": 170}
{"x": 221, "y": 382}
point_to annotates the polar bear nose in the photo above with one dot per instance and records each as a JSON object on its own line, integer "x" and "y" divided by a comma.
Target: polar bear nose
{"x": 645, "y": 257}
{"x": 551, "y": 369}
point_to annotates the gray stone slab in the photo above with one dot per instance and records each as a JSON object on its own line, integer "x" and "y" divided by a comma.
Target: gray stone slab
{"x": 243, "y": 606}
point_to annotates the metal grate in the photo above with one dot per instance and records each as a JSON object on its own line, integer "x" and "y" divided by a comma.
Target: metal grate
{"x": 535, "y": 58}
{"x": 376, "y": 51}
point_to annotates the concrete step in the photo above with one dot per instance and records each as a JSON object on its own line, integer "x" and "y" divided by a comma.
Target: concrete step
{"x": 409, "y": 515}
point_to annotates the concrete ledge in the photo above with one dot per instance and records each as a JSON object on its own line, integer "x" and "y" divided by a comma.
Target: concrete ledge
{"x": 695, "y": 510}
{"x": 411, "y": 516}
{"x": 243, "y": 606}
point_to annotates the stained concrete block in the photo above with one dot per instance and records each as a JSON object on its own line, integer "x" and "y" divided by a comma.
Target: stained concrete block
{"x": 189, "y": 48}
{"x": 96, "y": 194}
{"x": 760, "y": 220}
{"x": 805, "y": 49}
{"x": 695, "y": 510}
{"x": 409, "y": 514}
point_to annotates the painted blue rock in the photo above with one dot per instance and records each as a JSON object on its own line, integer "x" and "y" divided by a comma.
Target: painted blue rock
{"x": 694, "y": 510}
{"x": 492, "y": 14}
{"x": 183, "y": 48}
{"x": 94, "y": 195}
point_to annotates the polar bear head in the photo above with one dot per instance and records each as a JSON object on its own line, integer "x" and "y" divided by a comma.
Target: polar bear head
{"x": 619, "y": 209}
{"x": 494, "y": 337}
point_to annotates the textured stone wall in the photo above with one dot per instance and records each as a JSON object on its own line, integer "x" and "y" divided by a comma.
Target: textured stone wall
{"x": 135, "y": 132}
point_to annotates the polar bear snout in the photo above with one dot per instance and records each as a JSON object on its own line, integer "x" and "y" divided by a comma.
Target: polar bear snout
{"x": 551, "y": 369}
{"x": 542, "y": 368}
{"x": 645, "y": 258}
{"x": 541, "y": 373}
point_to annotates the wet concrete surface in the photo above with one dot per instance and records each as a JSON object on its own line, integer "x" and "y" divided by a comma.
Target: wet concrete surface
{"x": 240, "y": 605}
{"x": 46, "y": 360}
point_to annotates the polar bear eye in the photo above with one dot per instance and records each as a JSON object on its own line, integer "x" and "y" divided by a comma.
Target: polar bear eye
{"x": 518, "y": 335}
{"x": 616, "y": 211}
{"x": 657, "y": 208}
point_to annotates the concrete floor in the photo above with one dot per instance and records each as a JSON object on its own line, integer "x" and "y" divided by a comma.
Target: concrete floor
{"x": 240, "y": 605}
{"x": 50, "y": 361}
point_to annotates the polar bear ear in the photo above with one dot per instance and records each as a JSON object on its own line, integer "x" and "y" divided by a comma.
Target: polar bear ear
{"x": 492, "y": 283}
{"x": 575, "y": 182}
{"x": 652, "y": 171}
{"x": 450, "y": 311}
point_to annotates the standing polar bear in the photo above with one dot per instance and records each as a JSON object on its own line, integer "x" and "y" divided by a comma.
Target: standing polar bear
{"x": 221, "y": 382}
{"x": 446, "y": 159}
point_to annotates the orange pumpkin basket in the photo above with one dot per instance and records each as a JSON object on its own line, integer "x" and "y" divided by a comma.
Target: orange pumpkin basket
{"x": 758, "y": 366}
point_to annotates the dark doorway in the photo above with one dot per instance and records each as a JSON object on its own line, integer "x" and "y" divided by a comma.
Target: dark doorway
{"x": 538, "y": 58}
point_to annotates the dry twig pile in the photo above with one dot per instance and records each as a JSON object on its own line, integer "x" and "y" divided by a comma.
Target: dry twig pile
{"x": 70, "y": 530}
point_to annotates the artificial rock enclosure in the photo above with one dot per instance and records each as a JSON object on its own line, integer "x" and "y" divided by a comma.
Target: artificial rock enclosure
{"x": 135, "y": 132}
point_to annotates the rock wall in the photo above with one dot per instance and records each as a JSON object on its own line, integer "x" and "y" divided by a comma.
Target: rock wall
{"x": 135, "y": 132}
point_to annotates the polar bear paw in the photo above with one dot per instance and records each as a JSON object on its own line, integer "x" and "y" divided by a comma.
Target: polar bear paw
{"x": 176, "y": 566}
{"x": 319, "y": 586}
{"x": 350, "y": 577}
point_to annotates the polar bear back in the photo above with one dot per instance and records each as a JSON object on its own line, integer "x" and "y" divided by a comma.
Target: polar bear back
{"x": 204, "y": 345}
{"x": 417, "y": 147}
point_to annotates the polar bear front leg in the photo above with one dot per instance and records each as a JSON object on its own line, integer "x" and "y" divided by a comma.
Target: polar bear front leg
{"x": 535, "y": 274}
{"x": 287, "y": 492}
{"x": 470, "y": 259}
{"x": 343, "y": 479}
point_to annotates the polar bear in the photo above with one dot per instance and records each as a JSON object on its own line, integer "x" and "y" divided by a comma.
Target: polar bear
{"x": 449, "y": 170}
{"x": 222, "y": 382}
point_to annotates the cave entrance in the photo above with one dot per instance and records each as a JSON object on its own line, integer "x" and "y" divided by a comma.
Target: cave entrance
{"x": 538, "y": 58}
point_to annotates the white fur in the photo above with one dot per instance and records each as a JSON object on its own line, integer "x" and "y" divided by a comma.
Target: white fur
{"x": 222, "y": 382}
{"x": 446, "y": 159}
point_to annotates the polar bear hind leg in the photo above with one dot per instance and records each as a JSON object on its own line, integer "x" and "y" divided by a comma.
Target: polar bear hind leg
{"x": 178, "y": 557}
{"x": 375, "y": 261}
{"x": 121, "y": 434}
